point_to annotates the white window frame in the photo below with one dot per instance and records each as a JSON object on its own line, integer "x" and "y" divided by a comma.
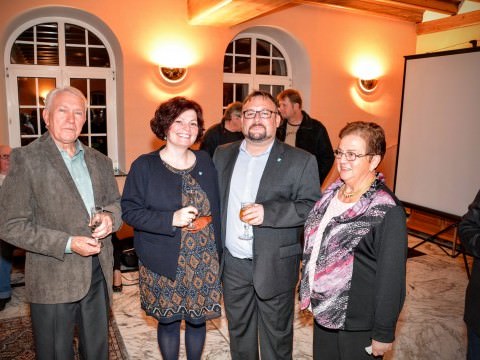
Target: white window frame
{"x": 62, "y": 74}
{"x": 253, "y": 80}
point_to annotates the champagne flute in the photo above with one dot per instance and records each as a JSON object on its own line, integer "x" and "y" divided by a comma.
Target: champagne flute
{"x": 95, "y": 220}
{"x": 247, "y": 233}
{"x": 191, "y": 202}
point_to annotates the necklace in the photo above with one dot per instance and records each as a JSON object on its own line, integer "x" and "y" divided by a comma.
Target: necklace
{"x": 349, "y": 195}
{"x": 289, "y": 123}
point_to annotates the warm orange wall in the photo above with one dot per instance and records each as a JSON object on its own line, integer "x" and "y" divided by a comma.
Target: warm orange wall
{"x": 332, "y": 38}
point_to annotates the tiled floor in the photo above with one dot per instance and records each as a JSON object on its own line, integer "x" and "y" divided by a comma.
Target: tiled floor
{"x": 430, "y": 326}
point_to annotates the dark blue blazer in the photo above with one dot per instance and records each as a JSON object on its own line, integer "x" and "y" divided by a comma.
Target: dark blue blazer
{"x": 151, "y": 195}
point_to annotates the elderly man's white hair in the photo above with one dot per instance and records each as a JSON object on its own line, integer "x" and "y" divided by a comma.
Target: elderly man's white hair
{"x": 57, "y": 91}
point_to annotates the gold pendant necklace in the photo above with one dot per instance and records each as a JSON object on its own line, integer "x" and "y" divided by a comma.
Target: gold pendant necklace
{"x": 353, "y": 193}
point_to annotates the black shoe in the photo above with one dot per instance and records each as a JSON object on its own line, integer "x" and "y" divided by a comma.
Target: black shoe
{"x": 4, "y": 302}
{"x": 117, "y": 288}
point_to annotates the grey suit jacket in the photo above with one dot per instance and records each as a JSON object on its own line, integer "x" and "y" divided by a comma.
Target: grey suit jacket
{"x": 42, "y": 208}
{"x": 288, "y": 189}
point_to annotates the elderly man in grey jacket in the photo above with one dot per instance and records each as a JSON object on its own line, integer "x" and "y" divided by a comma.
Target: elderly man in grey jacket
{"x": 45, "y": 202}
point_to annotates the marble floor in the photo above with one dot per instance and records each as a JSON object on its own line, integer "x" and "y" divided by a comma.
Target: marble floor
{"x": 430, "y": 325}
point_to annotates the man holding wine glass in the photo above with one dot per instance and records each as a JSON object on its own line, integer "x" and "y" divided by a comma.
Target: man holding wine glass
{"x": 45, "y": 201}
{"x": 275, "y": 186}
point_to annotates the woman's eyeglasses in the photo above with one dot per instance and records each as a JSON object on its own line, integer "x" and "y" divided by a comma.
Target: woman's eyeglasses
{"x": 349, "y": 155}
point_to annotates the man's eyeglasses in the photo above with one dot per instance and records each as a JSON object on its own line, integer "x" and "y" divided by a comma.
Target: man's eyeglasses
{"x": 5, "y": 157}
{"x": 264, "y": 114}
{"x": 349, "y": 155}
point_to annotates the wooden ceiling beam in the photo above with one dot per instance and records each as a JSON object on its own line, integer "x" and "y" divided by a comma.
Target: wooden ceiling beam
{"x": 440, "y": 6}
{"x": 450, "y": 23}
{"x": 449, "y": 7}
{"x": 233, "y": 12}
{"x": 373, "y": 7}
{"x": 230, "y": 12}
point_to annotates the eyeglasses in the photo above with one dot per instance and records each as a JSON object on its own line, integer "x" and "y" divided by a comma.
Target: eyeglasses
{"x": 349, "y": 155}
{"x": 5, "y": 157}
{"x": 264, "y": 114}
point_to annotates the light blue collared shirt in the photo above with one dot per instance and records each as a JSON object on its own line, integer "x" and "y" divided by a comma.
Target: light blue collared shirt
{"x": 245, "y": 181}
{"x": 77, "y": 167}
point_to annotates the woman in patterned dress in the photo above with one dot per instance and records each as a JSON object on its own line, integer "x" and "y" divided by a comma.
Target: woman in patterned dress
{"x": 353, "y": 278}
{"x": 171, "y": 200}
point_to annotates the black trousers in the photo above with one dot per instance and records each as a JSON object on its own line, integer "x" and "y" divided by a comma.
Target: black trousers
{"x": 340, "y": 345}
{"x": 54, "y": 324}
{"x": 252, "y": 320}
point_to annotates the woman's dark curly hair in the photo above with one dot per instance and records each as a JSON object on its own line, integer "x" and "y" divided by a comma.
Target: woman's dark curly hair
{"x": 171, "y": 109}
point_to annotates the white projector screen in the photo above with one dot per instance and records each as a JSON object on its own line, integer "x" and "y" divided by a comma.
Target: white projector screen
{"x": 438, "y": 162}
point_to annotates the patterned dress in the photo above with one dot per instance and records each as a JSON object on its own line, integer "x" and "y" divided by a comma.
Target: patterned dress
{"x": 196, "y": 292}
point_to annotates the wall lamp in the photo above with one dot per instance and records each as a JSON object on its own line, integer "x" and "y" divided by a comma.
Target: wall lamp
{"x": 367, "y": 85}
{"x": 173, "y": 75}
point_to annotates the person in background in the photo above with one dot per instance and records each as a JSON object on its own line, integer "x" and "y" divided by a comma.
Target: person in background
{"x": 228, "y": 130}
{"x": 262, "y": 249}
{"x": 6, "y": 250}
{"x": 469, "y": 233}
{"x": 46, "y": 200}
{"x": 354, "y": 260}
{"x": 5, "y": 151}
{"x": 118, "y": 245}
{"x": 171, "y": 200}
{"x": 300, "y": 130}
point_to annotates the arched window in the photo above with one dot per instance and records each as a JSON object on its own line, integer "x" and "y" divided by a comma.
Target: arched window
{"x": 53, "y": 52}
{"x": 254, "y": 62}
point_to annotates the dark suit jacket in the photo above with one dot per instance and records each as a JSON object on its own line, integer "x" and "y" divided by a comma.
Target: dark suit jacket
{"x": 42, "y": 208}
{"x": 288, "y": 190}
{"x": 469, "y": 232}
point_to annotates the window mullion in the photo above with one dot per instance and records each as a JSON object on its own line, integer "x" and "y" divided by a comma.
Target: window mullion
{"x": 61, "y": 45}
{"x": 35, "y": 60}
{"x": 253, "y": 54}
{"x": 87, "y": 50}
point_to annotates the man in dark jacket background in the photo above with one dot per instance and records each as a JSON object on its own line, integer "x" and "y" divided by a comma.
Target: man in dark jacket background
{"x": 300, "y": 130}
{"x": 228, "y": 130}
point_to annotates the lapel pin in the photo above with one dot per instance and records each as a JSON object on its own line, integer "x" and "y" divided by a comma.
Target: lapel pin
{"x": 279, "y": 159}
{"x": 200, "y": 173}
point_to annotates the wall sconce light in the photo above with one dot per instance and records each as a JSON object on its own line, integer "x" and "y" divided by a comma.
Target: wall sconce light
{"x": 367, "y": 85}
{"x": 173, "y": 75}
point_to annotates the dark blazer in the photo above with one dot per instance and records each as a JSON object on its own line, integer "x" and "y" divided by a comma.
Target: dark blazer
{"x": 312, "y": 136}
{"x": 151, "y": 195}
{"x": 288, "y": 190}
{"x": 469, "y": 232}
{"x": 42, "y": 208}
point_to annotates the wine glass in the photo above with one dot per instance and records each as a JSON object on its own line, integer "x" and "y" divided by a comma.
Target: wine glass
{"x": 95, "y": 220}
{"x": 190, "y": 193}
{"x": 247, "y": 233}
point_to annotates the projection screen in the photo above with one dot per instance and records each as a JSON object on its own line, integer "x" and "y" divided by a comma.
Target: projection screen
{"x": 438, "y": 160}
